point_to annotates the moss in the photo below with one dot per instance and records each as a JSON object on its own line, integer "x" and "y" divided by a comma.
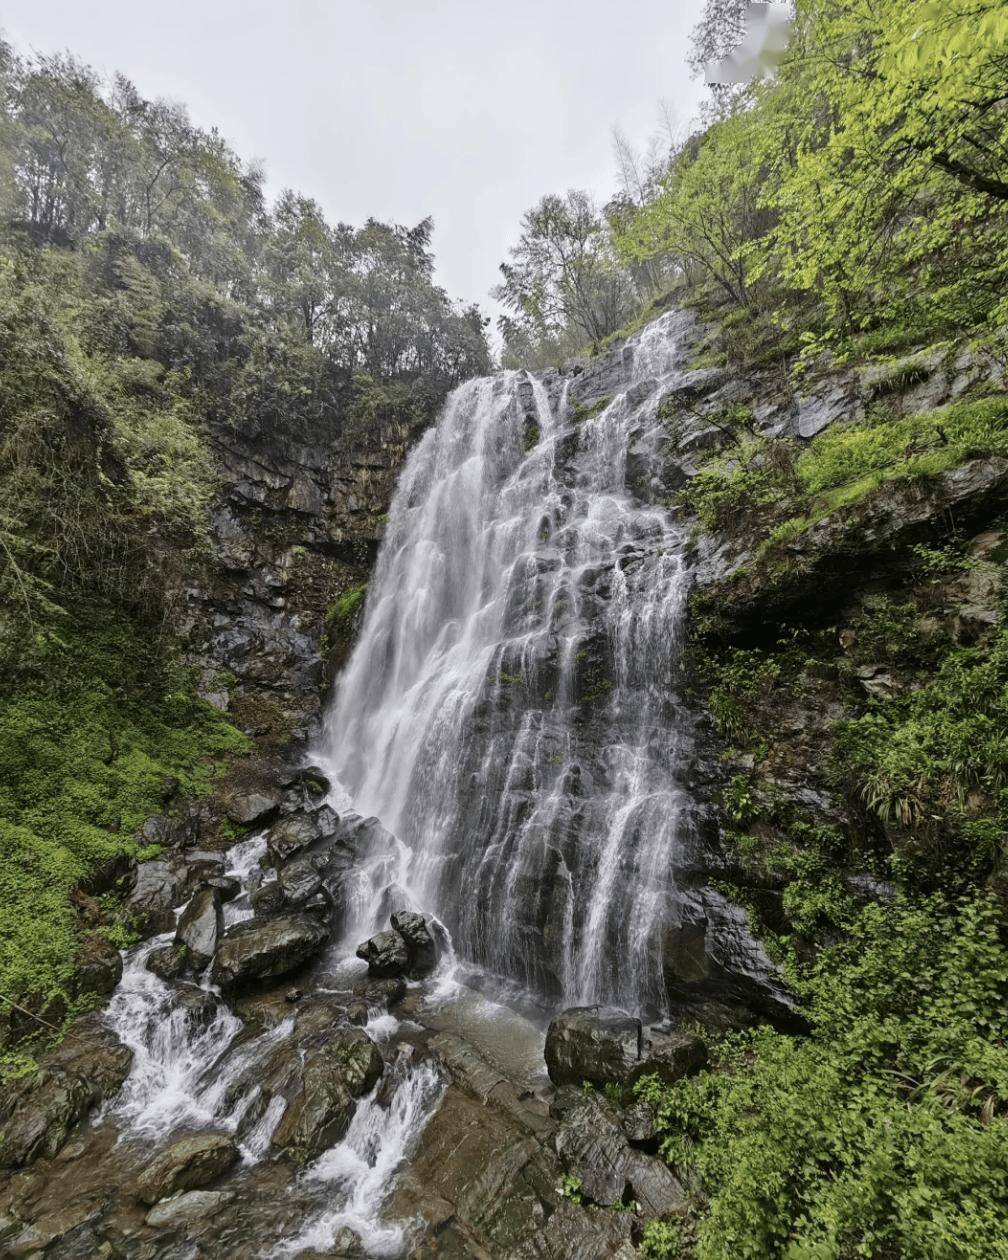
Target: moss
{"x": 88, "y": 740}
{"x": 341, "y": 615}
{"x": 580, "y": 412}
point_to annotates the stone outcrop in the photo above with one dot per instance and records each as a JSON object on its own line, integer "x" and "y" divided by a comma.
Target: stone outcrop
{"x": 264, "y": 949}
{"x": 592, "y": 1043}
{"x": 187, "y": 1164}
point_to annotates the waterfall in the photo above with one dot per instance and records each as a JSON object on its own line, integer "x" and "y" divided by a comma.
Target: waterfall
{"x": 510, "y": 710}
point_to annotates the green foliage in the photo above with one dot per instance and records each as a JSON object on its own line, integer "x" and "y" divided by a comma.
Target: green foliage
{"x": 341, "y": 616}
{"x": 884, "y": 1132}
{"x": 87, "y": 742}
{"x": 571, "y": 1188}
{"x": 662, "y": 1241}
{"x": 936, "y": 759}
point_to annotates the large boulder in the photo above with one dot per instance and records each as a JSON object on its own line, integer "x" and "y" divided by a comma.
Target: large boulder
{"x": 385, "y": 954}
{"x": 263, "y": 949}
{"x": 168, "y": 962}
{"x": 97, "y": 967}
{"x": 344, "y": 1068}
{"x": 158, "y": 886}
{"x": 188, "y": 1209}
{"x": 299, "y": 831}
{"x": 419, "y": 943}
{"x": 37, "y": 1117}
{"x": 595, "y": 1151}
{"x": 253, "y": 807}
{"x": 187, "y": 1164}
{"x": 200, "y": 926}
{"x": 599, "y": 1044}
{"x": 299, "y": 880}
{"x": 670, "y": 1056}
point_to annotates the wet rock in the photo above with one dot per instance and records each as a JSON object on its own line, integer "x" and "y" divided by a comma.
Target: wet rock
{"x": 347, "y": 1244}
{"x": 158, "y": 887}
{"x": 358, "y": 1013}
{"x": 299, "y": 831}
{"x": 308, "y": 779}
{"x": 419, "y": 943}
{"x": 200, "y": 1005}
{"x": 251, "y": 808}
{"x": 169, "y": 962}
{"x": 187, "y": 1209}
{"x": 263, "y": 949}
{"x": 592, "y": 1043}
{"x": 670, "y": 1056}
{"x": 594, "y": 1149}
{"x": 97, "y": 968}
{"x": 200, "y": 926}
{"x": 268, "y": 898}
{"x": 37, "y": 1117}
{"x": 382, "y": 993}
{"x": 652, "y": 1185}
{"x": 299, "y": 880}
{"x": 334, "y": 1076}
{"x": 228, "y": 886}
{"x": 65, "y": 1232}
{"x": 168, "y": 833}
{"x": 202, "y": 864}
{"x": 187, "y": 1164}
{"x": 385, "y": 954}
{"x": 639, "y": 1123}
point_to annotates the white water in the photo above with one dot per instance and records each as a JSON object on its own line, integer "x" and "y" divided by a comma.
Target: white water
{"x": 508, "y": 711}
{"x": 360, "y": 1170}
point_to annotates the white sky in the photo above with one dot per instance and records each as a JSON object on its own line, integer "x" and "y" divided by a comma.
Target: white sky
{"x": 400, "y": 108}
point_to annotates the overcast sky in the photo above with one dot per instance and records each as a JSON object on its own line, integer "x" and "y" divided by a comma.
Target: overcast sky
{"x": 465, "y": 110}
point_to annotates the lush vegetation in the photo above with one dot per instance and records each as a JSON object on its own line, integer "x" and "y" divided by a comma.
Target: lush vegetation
{"x": 856, "y": 202}
{"x": 148, "y": 294}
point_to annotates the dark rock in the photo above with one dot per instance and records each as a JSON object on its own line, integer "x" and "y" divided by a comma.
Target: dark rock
{"x": 200, "y": 926}
{"x": 299, "y": 831}
{"x": 299, "y": 880}
{"x": 97, "y": 967}
{"x": 381, "y": 993}
{"x": 200, "y": 1005}
{"x": 252, "y": 808}
{"x": 309, "y": 779}
{"x": 262, "y": 949}
{"x": 187, "y": 1164}
{"x": 158, "y": 887}
{"x": 592, "y": 1043}
{"x": 169, "y": 833}
{"x": 168, "y": 961}
{"x": 419, "y": 942}
{"x": 228, "y": 886}
{"x": 357, "y": 1013}
{"x": 334, "y": 1076}
{"x": 268, "y": 898}
{"x": 385, "y": 954}
{"x": 639, "y": 1123}
{"x": 37, "y": 1117}
{"x": 670, "y": 1057}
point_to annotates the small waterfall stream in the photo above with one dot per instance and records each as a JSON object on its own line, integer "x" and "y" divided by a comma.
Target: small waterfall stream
{"x": 509, "y": 712}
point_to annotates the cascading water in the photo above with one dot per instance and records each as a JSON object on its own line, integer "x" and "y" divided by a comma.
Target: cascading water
{"x": 509, "y": 712}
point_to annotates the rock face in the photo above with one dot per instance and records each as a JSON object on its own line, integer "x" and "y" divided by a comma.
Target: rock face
{"x": 592, "y": 1043}
{"x": 670, "y": 1057}
{"x": 186, "y": 1165}
{"x": 385, "y": 954}
{"x": 98, "y": 967}
{"x": 263, "y": 949}
{"x": 200, "y": 926}
{"x": 344, "y": 1068}
{"x": 37, "y": 1118}
{"x": 299, "y": 831}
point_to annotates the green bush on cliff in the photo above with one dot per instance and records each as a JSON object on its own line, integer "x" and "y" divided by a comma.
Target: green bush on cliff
{"x": 883, "y": 1133}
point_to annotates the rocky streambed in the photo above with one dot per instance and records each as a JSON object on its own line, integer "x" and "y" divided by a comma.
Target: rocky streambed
{"x": 259, "y": 1085}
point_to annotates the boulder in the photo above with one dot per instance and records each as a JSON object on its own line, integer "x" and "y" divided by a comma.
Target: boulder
{"x": 268, "y": 898}
{"x": 599, "y": 1044}
{"x": 97, "y": 967}
{"x": 168, "y": 833}
{"x": 298, "y": 831}
{"x": 158, "y": 886}
{"x": 299, "y": 880}
{"x": 200, "y": 926}
{"x": 344, "y": 1068}
{"x": 37, "y": 1117}
{"x": 227, "y": 885}
{"x": 670, "y": 1057}
{"x": 170, "y": 962}
{"x": 201, "y": 1006}
{"x": 251, "y": 808}
{"x": 187, "y": 1164}
{"x": 419, "y": 943}
{"x": 185, "y": 1210}
{"x": 260, "y": 949}
{"x": 385, "y": 954}
{"x": 381, "y": 993}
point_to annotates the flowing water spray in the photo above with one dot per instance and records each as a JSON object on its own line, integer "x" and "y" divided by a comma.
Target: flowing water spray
{"x": 509, "y": 710}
